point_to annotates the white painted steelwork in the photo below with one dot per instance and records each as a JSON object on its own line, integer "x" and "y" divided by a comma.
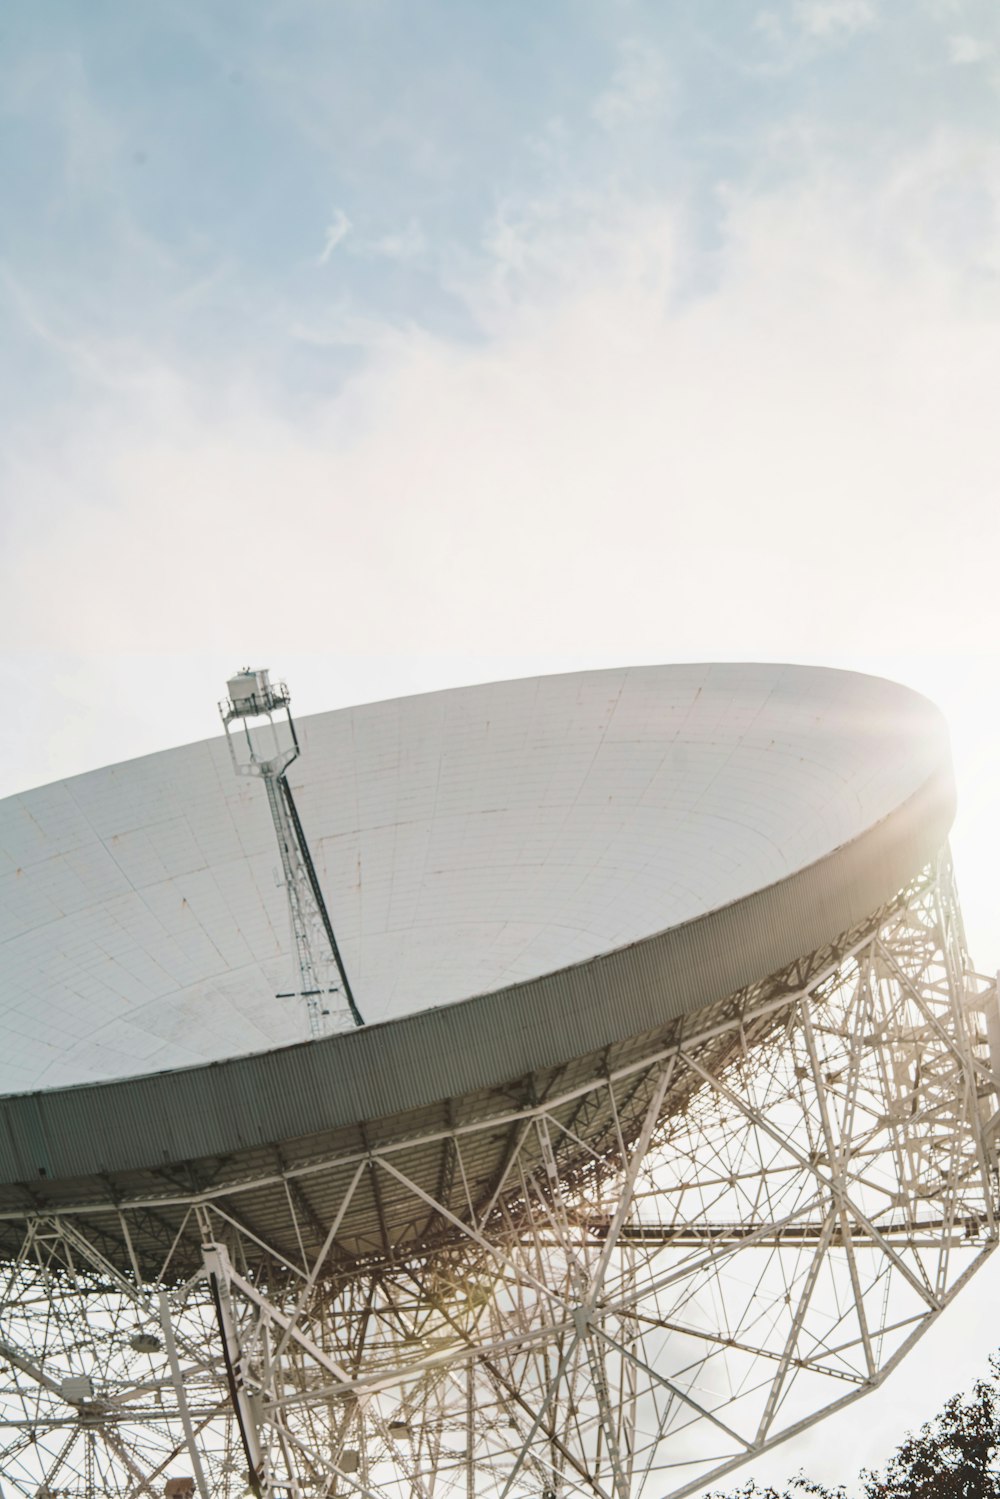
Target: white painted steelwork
{"x": 650, "y": 1213}
{"x": 318, "y": 977}
{"x": 647, "y": 1296}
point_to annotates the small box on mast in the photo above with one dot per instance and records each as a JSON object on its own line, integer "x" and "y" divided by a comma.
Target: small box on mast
{"x": 251, "y": 693}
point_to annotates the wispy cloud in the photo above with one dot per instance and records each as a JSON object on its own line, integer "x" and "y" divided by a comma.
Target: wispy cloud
{"x": 337, "y": 231}
{"x": 769, "y": 24}
{"x": 794, "y": 35}
{"x": 834, "y": 18}
{"x": 966, "y": 49}
{"x": 401, "y": 244}
{"x": 344, "y": 327}
{"x": 449, "y": 465}
{"x": 637, "y": 89}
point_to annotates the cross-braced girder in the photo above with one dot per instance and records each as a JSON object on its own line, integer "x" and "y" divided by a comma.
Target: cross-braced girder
{"x": 626, "y": 1286}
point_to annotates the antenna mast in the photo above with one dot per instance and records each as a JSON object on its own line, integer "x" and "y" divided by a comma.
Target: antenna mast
{"x": 252, "y": 696}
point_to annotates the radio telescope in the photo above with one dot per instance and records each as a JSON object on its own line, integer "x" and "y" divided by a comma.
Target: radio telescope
{"x": 670, "y": 1128}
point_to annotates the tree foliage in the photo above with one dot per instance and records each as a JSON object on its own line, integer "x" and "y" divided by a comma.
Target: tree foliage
{"x": 954, "y": 1456}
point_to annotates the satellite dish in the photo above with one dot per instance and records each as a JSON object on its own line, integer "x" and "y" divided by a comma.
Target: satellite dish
{"x": 667, "y": 1130}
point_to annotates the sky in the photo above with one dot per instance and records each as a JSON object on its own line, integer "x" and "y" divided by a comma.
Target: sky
{"x": 396, "y": 347}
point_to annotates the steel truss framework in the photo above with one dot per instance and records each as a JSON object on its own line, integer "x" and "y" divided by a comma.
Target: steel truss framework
{"x": 791, "y": 1189}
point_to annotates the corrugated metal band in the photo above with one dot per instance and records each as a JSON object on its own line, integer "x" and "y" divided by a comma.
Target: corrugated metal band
{"x": 484, "y": 1042}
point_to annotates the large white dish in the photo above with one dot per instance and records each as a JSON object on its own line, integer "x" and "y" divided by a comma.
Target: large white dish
{"x": 467, "y": 841}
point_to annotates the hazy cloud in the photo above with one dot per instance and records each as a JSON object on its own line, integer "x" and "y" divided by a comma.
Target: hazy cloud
{"x": 612, "y": 429}
{"x": 401, "y": 244}
{"x": 969, "y": 49}
{"x": 770, "y": 25}
{"x": 637, "y": 89}
{"x": 833, "y": 18}
{"x": 337, "y": 231}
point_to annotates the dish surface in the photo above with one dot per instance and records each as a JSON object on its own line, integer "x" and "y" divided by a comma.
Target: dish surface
{"x": 468, "y": 842}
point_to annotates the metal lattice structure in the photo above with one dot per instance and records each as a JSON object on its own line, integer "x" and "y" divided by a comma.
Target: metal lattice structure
{"x": 738, "y": 1226}
{"x": 318, "y": 969}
